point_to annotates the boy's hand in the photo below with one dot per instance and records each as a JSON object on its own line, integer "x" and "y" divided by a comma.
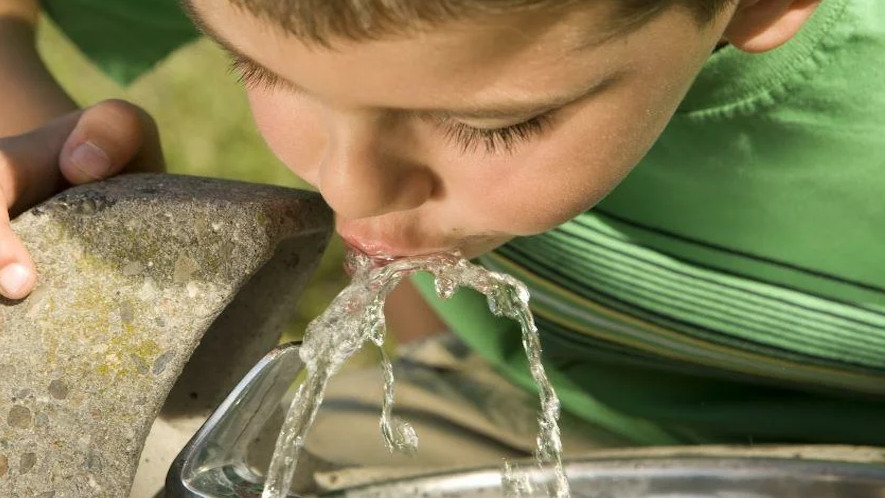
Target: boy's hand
{"x": 84, "y": 146}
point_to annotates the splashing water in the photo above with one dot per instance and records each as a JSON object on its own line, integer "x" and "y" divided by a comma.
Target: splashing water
{"x": 356, "y": 316}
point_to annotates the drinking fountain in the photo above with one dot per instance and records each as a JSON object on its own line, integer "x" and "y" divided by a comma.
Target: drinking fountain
{"x": 146, "y": 364}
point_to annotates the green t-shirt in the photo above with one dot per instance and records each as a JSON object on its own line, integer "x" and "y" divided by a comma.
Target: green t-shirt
{"x": 730, "y": 289}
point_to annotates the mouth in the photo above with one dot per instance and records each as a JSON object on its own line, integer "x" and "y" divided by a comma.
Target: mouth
{"x": 383, "y": 247}
{"x": 381, "y": 254}
{"x": 354, "y": 247}
{"x": 360, "y": 254}
{"x": 372, "y": 250}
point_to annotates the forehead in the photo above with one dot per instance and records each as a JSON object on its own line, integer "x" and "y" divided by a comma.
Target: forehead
{"x": 482, "y": 59}
{"x": 358, "y": 20}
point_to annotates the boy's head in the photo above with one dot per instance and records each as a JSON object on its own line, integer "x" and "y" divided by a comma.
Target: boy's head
{"x": 321, "y": 21}
{"x": 457, "y": 124}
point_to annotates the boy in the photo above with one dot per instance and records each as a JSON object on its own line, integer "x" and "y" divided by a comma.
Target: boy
{"x": 729, "y": 290}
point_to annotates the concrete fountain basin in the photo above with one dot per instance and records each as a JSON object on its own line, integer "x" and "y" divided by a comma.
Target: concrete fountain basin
{"x": 136, "y": 272}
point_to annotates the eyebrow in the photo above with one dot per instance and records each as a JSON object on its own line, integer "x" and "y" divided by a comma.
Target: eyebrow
{"x": 516, "y": 109}
{"x": 228, "y": 47}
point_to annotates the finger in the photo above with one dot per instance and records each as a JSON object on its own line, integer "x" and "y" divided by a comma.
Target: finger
{"x": 29, "y": 164}
{"x": 17, "y": 272}
{"x": 107, "y": 137}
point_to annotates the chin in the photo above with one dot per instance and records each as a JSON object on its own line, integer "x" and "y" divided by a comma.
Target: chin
{"x": 479, "y": 245}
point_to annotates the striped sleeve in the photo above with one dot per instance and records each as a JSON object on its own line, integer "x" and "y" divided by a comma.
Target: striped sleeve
{"x": 612, "y": 297}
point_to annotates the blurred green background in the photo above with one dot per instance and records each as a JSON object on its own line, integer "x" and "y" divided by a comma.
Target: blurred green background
{"x": 206, "y": 129}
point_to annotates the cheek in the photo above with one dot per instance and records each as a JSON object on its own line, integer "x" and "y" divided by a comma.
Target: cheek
{"x": 284, "y": 122}
{"x": 567, "y": 172}
{"x": 555, "y": 180}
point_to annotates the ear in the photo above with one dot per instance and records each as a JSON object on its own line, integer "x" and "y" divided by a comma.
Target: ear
{"x": 762, "y": 25}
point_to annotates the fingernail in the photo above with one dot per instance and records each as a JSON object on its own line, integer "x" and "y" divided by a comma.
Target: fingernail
{"x": 13, "y": 279}
{"x": 91, "y": 160}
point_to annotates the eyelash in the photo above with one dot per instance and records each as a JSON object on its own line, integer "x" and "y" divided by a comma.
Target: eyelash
{"x": 496, "y": 140}
{"x": 469, "y": 138}
{"x": 250, "y": 75}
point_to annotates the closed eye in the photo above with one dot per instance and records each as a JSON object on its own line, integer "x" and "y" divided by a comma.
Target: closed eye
{"x": 496, "y": 140}
{"x": 252, "y": 75}
{"x": 469, "y": 138}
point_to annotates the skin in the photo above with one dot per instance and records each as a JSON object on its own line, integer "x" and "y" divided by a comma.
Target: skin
{"x": 378, "y": 143}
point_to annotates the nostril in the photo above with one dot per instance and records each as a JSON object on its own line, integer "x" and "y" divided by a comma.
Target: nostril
{"x": 376, "y": 188}
{"x": 417, "y": 187}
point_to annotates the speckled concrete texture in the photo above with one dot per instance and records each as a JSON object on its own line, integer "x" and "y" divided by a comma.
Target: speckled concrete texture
{"x": 135, "y": 272}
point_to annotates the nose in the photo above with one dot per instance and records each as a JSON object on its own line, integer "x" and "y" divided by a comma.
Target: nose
{"x": 366, "y": 170}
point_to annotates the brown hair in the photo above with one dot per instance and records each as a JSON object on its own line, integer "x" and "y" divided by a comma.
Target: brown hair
{"x": 321, "y": 21}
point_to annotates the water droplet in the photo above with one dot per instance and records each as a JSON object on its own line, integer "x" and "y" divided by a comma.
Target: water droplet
{"x": 444, "y": 287}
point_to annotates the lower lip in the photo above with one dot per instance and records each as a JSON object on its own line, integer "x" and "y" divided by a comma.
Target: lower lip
{"x": 383, "y": 251}
{"x": 369, "y": 250}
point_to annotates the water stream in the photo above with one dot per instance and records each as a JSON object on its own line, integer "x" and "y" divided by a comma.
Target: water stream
{"x": 356, "y": 316}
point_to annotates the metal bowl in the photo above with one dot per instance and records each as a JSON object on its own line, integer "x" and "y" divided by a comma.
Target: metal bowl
{"x": 659, "y": 477}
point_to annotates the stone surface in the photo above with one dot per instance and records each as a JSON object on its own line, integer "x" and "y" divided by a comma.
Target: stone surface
{"x": 134, "y": 273}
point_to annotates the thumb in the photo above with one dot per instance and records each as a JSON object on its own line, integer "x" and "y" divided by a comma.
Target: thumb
{"x": 107, "y": 137}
